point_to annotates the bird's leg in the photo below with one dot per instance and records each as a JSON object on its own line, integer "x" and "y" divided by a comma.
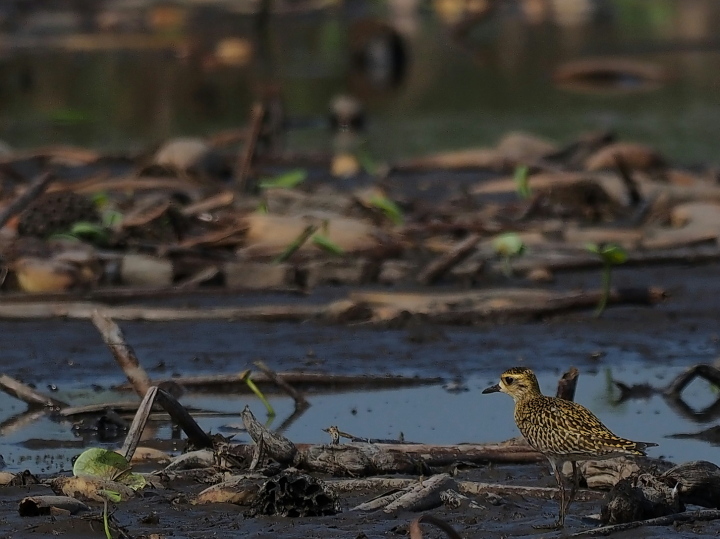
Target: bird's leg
{"x": 575, "y": 484}
{"x": 556, "y": 467}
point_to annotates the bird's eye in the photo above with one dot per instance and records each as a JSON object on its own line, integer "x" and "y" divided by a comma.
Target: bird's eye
{"x": 509, "y": 380}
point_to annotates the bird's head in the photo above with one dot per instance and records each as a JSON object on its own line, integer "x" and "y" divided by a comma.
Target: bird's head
{"x": 518, "y": 382}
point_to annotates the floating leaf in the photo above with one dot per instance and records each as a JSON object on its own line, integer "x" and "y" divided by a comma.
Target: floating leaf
{"x": 391, "y": 210}
{"x": 287, "y": 180}
{"x": 522, "y": 184}
{"x": 326, "y": 244}
{"x": 508, "y": 244}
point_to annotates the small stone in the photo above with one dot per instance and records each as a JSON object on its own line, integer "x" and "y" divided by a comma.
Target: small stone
{"x": 257, "y": 275}
{"x": 541, "y": 275}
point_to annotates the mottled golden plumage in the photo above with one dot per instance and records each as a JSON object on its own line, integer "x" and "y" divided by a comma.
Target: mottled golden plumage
{"x": 560, "y": 429}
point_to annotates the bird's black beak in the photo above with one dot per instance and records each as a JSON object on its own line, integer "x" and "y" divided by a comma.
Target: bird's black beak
{"x": 492, "y": 389}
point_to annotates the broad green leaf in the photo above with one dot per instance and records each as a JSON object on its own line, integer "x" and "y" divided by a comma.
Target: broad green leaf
{"x": 508, "y": 244}
{"x": 101, "y": 463}
{"x": 287, "y": 180}
{"x": 391, "y": 210}
{"x": 326, "y": 244}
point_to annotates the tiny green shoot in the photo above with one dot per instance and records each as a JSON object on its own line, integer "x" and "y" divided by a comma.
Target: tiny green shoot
{"x": 259, "y": 394}
{"x": 611, "y": 255}
{"x": 327, "y": 245}
{"x": 287, "y": 180}
{"x": 113, "y": 497}
{"x": 522, "y": 183}
{"x": 388, "y": 207}
{"x": 508, "y": 245}
{"x": 296, "y": 244}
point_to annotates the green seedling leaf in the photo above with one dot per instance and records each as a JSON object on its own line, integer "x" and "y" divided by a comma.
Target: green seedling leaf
{"x": 508, "y": 244}
{"x": 90, "y": 231}
{"x": 326, "y": 244}
{"x": 101, "y": 199}
{"x": 366, "y": 161}
{"x": 63, "y": 237}
{"x": 68, "y": 116}
{"x": 259, "y": 395}
{"x": 111, "y": 495}
{"x": 522, "y": 183}
{"x": 100, "y": 463}
{"x": 111, "y": 218}
{"x": 288, "y": 180}
{"x": 610, "y": 253}
{"x": 391, "y": 210}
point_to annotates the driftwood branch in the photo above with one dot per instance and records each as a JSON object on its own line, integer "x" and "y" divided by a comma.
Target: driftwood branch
{"x": 276, "y": 446}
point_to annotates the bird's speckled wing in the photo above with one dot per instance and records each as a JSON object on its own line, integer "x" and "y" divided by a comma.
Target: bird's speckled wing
{"x": 563, "y": 428}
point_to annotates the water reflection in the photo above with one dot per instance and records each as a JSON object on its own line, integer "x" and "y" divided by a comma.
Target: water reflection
{"x": 427, "y": 86}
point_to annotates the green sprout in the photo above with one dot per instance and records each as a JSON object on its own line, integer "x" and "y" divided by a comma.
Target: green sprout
{"x": 391, "y": 210}
{"x": 286, "y": 180}
{"x": 259, "y": 394}
{"x": 113, "y": 497}
{"x": 508, "y": 245}
{"x": 611, "y": 255}
{"x": 522, "y": 183}
{"x": 326, "y": 244}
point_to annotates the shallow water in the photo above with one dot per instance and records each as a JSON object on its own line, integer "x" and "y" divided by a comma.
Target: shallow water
{"x": 451, "y": 94}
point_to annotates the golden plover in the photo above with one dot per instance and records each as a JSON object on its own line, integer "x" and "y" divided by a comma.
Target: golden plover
{"x": 561, "y": 430}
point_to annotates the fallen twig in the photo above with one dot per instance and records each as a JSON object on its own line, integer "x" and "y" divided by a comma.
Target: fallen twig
{"x": 440, "y": 266}
{"x": 688, "y": 516}
{"x": 34, "y": 190}
{"x": 27, "y": 394}
{"x": 245, "y": 157}
{"x": 416, "y": 532}
{"x": 122, "y": 352}
{"x": 300, "y": 400}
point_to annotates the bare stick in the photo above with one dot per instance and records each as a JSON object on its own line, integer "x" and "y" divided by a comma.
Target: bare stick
{"x": 567, "y": 384}
{"x": 689, "y": 516}
{"x": 246, "y": 155}
{"x": 123, "y": 353}
{"x": 441, "y": 265}
{"x": 300, "y": 400}
{"x": 27, "y": 394}
{"x": 34, "y": 190}
{"x": 416, "y": 532}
